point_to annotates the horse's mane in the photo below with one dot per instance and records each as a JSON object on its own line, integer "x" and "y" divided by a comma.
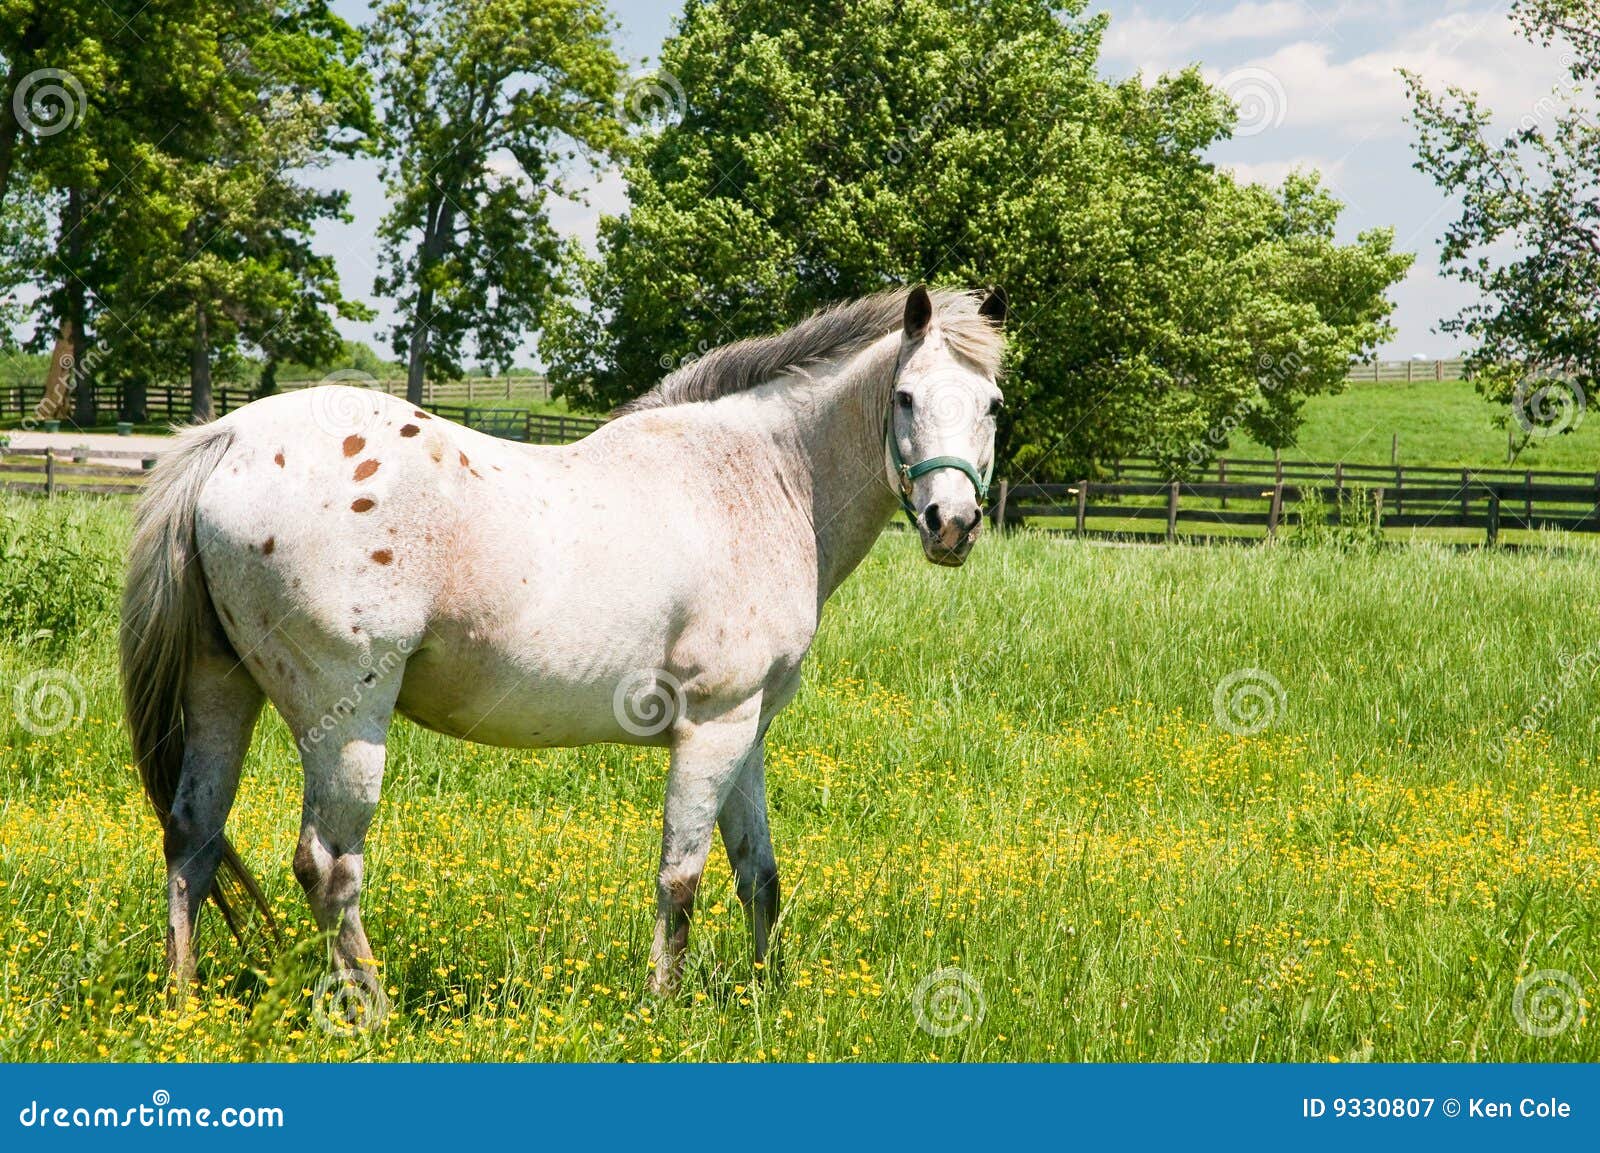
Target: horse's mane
{"x": 840, "y": 330}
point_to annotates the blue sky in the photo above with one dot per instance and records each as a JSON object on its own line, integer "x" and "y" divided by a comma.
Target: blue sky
{"x": 1317, "y": 86}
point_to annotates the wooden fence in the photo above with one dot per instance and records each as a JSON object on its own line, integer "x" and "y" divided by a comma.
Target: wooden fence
{"x": 169, "y": 402}
{"x": 49, "y": 471}
{"x": 1249, "y": 498}
{"x": 1409, "y": 370}
{"x": 516, "y": 424}
{"x": 1261, "y": 496}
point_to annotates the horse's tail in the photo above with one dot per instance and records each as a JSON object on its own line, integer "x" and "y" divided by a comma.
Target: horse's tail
{"x": 166, "y": 610}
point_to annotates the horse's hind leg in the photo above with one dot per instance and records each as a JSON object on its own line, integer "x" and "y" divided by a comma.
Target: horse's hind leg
{"x": 343, "y": 753}
{"x": 220, "y": 706}
{"x": 748, "y": 839}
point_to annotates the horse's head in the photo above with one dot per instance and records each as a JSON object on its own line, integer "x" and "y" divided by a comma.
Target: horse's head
{"x": 939, "y": 440}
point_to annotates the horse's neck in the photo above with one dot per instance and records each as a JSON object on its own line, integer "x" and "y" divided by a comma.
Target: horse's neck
{"x": 841, "y": 436}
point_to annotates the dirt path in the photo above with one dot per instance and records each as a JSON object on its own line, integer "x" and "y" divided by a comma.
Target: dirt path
{"x": 98, "y": 442}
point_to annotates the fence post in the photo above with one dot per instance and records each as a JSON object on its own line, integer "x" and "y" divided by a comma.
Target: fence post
{"x": 1338, "y": 483}
{"x": 49, "y": 472}
{"x": 1222, "y": 476}
{"x": 1527, "y": 494}
{"x": 1394, "y": 449}
{"x": 1172, "y": 513}
{"x": 1494, "y": 515}
{"x": 1083, "y": 503}
{"x": 469, "y": 390}
{"x": 1465, "y": 480}
{"x": 1377, "y": 508}
{"x": 1399, "y": 491}
{"x": 1000, "y": 509}
{"x": 1275, "y": 511}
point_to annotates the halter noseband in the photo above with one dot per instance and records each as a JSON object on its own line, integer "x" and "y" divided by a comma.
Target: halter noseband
{"x": 907, "y": 473}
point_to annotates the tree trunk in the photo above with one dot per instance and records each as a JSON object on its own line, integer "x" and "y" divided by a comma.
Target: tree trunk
{"x": 77, "y": 308}
{"x": 268, "y": 384}
{"x": 200, "y": 409}
{"x": 135, "y": 399}
{"x": 434, "y": 238}
{"x": 418, "y": 352}
{"x": 56, "y": 403}
{"x": 9, "y": 128}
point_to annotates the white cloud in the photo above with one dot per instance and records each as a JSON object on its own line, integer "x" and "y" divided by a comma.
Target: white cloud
{"x": 1139, "y": 37}
{"x": 1363, "y": 97}
{"x": 1272, "y": 172}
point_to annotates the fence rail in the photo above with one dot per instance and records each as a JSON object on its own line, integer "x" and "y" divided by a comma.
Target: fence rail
{"x": 1409, "y": 371}
{"x": 1140, "y": 503}
{"x": 1153, "y": 510}
{"x": 172, "y": 401}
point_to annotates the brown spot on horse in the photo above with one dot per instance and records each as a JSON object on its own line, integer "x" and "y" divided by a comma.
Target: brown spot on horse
{"x": 409, "y": 430}
{"x": 354, "y": 444}
{"x": 420, "y": 415}
{"x": 270, "y": 544}
{"x": 365, "y": 469}
{"x": 363, "y": 504}
{"x": 383, "y": 556}
{"x": 278, "y": 460}
{"x": 465, "y": 463}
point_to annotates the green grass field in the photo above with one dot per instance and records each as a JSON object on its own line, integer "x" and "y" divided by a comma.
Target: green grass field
{"x": 1028, "y": 810}
{"x": 1442, "y": 423}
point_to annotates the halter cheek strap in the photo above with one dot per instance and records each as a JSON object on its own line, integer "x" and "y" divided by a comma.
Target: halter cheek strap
{"x": 905, "y": 474}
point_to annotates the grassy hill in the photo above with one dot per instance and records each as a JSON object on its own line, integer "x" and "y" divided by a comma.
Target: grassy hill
{"x": 1438, "y": 423}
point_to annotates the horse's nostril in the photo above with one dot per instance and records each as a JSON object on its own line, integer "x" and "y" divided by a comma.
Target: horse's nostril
{"x": 932, "y": 517}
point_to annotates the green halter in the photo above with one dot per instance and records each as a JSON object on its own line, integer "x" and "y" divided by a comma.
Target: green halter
{"x": 910, "y": 472}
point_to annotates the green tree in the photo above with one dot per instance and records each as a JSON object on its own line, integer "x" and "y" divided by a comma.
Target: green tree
{"x": 177, "y": 223}
{"x": 486, "y": 104}
{"x": 821, "y": 151}
{"x": 1528, "y": 236}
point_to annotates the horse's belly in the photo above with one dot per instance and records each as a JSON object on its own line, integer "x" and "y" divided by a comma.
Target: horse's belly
{"x": 492, "y": 701}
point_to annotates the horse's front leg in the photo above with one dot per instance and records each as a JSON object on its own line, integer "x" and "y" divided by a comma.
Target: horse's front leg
{"x": 706, "y": 760}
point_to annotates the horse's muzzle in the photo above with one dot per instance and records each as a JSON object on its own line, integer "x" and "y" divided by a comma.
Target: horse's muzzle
{"x": 950, "y": 555}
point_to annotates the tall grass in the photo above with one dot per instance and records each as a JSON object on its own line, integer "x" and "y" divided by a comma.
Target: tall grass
{"x": 1015, "y": 819}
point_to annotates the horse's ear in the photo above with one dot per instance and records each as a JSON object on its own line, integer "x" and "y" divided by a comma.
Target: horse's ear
{"x": 995, "y": 309}
{"x": 919, "y": 313}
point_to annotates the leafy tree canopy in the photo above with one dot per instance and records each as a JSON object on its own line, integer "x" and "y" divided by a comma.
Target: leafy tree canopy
{"x": 1528, "y": 236}
{"x": 808, "y": 153}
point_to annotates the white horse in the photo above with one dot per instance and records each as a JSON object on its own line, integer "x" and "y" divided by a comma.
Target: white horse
{"x": 657, "y": 583}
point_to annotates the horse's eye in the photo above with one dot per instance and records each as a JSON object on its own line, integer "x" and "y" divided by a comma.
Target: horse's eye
{"x": 903, "y": 399}
{"x": 995, "y": 406}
